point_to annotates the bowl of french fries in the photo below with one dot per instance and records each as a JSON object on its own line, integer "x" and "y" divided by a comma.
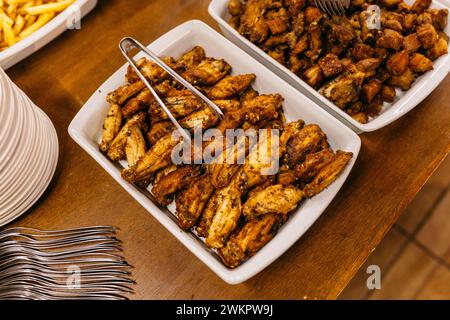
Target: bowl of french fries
{"x": 27, "y": 25}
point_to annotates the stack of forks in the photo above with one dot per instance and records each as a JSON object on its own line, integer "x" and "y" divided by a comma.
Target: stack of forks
{"x": 78, "y": 264}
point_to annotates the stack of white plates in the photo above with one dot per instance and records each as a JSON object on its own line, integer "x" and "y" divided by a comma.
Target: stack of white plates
{"x": 28, "y": 151}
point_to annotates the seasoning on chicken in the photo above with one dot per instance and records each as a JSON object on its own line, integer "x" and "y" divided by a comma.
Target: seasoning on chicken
{"x": 116, "y": 150}
{"x": 329, "y": 174}
{"x": 277, "y": 199}
{"x": 253, "y": 236}
{"x": 208, "y": 72}
{"x": 191, "y": 202}
{"x": 135, "y": 147}
{"x": 228, "y": 210}
{"x": 231, "y": 86}
{"x": 173, "y": 182}
{"x": 158, "y": 157}
{"x": 111, "y": 127}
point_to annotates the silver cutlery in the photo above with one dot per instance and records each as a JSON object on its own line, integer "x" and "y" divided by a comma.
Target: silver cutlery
{"x": 73, "y": 264}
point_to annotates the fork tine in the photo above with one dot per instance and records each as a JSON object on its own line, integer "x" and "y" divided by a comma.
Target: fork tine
{"x": 34, "y": 264}
{"x": 320, "y": 5}
{"x": 341, "y": 7}
{"x": 335, "y": 7}
{"x": 330, "y": 7}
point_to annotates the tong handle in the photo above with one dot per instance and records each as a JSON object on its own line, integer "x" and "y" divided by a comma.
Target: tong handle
{"x": 126, "y": 45}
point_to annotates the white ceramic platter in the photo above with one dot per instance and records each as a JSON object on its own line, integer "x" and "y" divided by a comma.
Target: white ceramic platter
{"x": 86, "y": 129}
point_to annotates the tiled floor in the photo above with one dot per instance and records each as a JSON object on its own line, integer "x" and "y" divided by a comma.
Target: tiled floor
{"x": 415, "y": 256}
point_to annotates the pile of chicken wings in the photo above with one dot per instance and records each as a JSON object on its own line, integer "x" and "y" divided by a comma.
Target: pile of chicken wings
{"x": 236, "y": 208}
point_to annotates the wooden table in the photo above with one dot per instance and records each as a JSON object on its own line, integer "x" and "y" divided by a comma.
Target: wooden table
{"x": 393, "y": 166}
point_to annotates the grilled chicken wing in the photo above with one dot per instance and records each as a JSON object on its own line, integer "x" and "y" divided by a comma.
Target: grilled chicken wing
{"x": 192, "y": 201}
{"x": 157, "y": 158}
{"x": 151, "y": 70}
{"x": 231, "y": 86}
{"x": 204, "y": 118}
{"x": 289, "y": 130}
{"x": 135, "y": 148}
{"x": 302, "y": 143}
{"x": 141, "y": 102}
{"x": 313, "y": 164}
{"x": 116, "y": 151}
{"x": 274, "y": 199}
{"x": 263, "y": 160}
{"x": 227, "y": 213}
{"x": 253, "y": 236}
{"x": 111, "y": 127}
{"x": 159, "y": 130}
{"x": 228, "y": 105}
{"x": 173, "y": 182}
{"x": 179, "y": 106}
{"x": 229, "y": 161}
{"x": 122, "y": 94}
{"x": 328, "y": 174}
{"x": 208, "y": 72}
{"x": 192, "y": 58}
{"x": 263, "y": 107}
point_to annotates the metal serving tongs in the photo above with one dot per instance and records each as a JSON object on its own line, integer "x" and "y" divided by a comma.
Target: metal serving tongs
{"x": 127, "y": 44}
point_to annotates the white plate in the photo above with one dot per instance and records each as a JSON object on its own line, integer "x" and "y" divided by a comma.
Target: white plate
{"x": 44, "y": 35}
{"x": 46, "y": 161}
{"x": 13, "y": 160}
{"x": 11, "y": 141}
{"x": 86, "y": 128}
{"x": 26, "y": 162}
{"x": 404, "y": 103}
{"x": 7, "y": 130}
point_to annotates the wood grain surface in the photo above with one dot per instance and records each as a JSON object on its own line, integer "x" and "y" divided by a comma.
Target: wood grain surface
{"x": 394, "y": 164}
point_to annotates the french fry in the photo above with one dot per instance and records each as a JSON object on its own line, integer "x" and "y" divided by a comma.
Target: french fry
{"x": 8, "y": 33}
{"x": 18, "y": 25}
{"x": 49, "y": 7}
{"x": 21, "y": 18}
{"x": 40, "y": 22}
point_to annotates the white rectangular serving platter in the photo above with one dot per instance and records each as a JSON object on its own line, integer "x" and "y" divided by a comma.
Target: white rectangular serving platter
{"x": 47, "y": 33}
{"x": 405, "y": 101}
{"x": 86, "y": 129}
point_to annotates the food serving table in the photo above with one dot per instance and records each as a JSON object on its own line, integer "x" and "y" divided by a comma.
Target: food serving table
{"x": 394, "y": 164}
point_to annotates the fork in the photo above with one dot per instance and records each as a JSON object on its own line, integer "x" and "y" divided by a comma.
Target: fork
{"x": 334, "y": 7}
{"x": 36, "y": 264}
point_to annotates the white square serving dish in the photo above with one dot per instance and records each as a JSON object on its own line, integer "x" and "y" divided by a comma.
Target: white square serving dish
{"x": 405, "y": 101}
{"x": 86, "y": 129}
{"x": 47, "y": 33}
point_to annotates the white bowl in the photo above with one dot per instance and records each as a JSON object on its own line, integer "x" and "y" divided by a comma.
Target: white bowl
{"x": 405, "y": 101}
{"x": 44, "y": 35}
{"x": 86, "y": 127}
